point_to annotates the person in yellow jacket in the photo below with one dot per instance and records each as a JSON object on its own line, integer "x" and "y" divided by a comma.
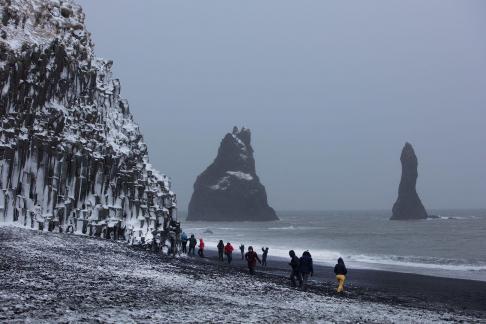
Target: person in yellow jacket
{"x": 341, "y": 272}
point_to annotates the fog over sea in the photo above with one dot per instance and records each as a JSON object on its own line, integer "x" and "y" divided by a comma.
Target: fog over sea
{"x": 450, "y": 246}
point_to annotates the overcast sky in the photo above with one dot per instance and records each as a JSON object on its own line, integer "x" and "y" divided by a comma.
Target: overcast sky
{"x": 330, "y": 89}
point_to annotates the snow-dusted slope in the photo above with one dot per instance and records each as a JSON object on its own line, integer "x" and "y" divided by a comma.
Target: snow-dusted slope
{"x": 71, "y": 156}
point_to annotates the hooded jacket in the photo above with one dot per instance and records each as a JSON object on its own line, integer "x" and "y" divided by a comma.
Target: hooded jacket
{"x": 201, "y": 244}
{"x": 306, "y": 264}
{"x": 340, "y": 268}
{"x": 220, "y": 246}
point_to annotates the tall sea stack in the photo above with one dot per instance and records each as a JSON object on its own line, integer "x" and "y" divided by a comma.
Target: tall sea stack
{"x": 229, "y": 189}
{"x": 408, "y": 204}
{"x": 71, "y": 157}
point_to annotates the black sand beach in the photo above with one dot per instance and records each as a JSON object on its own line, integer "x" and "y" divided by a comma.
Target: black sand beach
{"x": 49, "y": 277}
{"x": 459, "y": 295}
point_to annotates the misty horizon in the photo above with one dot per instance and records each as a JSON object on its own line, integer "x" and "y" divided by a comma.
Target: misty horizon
{"x": 330, "y": 92}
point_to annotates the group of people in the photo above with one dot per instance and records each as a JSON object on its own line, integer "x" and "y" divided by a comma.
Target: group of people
{"x": 301, "y": 268}
{"x": 225, "y": 250}
{"x": 192, "y": 245}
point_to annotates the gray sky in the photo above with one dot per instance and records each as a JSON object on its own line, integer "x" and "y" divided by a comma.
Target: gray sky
{"x": 330, "y": 89}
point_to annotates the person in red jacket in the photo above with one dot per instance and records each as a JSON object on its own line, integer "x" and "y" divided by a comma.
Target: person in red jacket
{"x": 200, "y": 252}
{"x": 228, "y": 250}
{"x": 252, "y": 257}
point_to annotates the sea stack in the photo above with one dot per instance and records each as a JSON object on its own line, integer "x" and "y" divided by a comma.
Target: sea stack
{"x": 72, "y": 159}
{"x": 408, "y": 204}
{"x": 229, "y": 189}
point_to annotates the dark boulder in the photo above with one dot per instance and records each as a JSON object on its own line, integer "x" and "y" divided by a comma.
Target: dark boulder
{"x": 408, "y": 204}
{"x": 229, "y": 189}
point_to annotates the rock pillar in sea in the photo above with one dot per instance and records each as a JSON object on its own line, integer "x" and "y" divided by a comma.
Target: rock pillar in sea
{"x": 229, "y": 189}
{"x": 408, "y": 204}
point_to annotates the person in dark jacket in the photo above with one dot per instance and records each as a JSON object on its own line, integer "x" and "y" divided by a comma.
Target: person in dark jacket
{"x": 294, "y": 264}
{"x": 192, "y": 245}
{"x": 252, "y": 258}
{"x": 306, "y": 268}
{"x": 228, "y": 250}
{"x": 184, "y": 242}
{"x": 220, "y": 250}
{"x": 242, "y": 250}
{"x": 341, "y": 272}
{"x": 264, "y": 257}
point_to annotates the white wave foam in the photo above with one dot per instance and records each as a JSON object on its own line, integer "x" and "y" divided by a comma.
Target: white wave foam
{"x": 417, "y": 262}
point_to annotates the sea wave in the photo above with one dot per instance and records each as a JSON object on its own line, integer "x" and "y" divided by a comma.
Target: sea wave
{"x": 419, "y": 262}
{"x": 329, "y": 257}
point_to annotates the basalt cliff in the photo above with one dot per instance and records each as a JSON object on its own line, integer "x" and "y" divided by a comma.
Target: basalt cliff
{"x": 72, "y": 159}
{"x": 229, "y": 189}
{"x": 408, "y": 204}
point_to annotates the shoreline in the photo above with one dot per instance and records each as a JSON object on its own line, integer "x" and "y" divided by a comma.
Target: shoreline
{"x": 463, "y": 295}
{"x": 58, "y": 277}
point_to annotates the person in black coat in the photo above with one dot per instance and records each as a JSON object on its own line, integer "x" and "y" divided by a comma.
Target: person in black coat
{"x": 221, "y": 250}
{"x": 306, "y": 268}
{"x": 294, "y": 274}
{"x": 341, "y": 272}
{"x": 264, "y": 256}
{"x": 192, "y": 245}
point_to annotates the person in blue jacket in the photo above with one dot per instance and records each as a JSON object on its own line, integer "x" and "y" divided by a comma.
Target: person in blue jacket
{"x": 184, "y": 242}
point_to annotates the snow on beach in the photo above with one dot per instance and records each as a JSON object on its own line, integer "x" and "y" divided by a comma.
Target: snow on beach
{"x": 59, "y": 277}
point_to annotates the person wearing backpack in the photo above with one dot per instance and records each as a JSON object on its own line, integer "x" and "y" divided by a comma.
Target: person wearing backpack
{"x": 306, "y": 268}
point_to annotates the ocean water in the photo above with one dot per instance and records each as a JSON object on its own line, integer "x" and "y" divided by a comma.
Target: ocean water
{"x": 452, "y": 246}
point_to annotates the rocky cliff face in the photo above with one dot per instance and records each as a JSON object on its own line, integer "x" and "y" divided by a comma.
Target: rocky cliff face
{"x": 408, "y": 204}
{"x": 229, "y": 189}
{"x": 71, "y": 156}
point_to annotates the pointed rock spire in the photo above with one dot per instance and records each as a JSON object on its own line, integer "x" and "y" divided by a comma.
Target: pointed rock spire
{"x": 229, "y": 189}
{"x": 408, "y": 204}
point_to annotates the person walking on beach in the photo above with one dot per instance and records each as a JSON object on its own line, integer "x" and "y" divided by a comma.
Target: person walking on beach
{"x": 252, "y": 258}
{"x": 220, "y": 250}
{"x": 192, "y": 245}
{"x": 200, "y": 252}
{"x": 294, "y": 263}
{"x": 228, "y": 250}
{"x": 264, "y": 257}
{"x": 184, "y": 242}
{"x": 242, "y": 250}
{"x": 306, "y": 268}
{"x": 341, "y": 272}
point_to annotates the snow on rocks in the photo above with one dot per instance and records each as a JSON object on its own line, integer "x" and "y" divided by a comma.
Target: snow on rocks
{"x": 71, "y": 156}
{"x": 229, "y": 189}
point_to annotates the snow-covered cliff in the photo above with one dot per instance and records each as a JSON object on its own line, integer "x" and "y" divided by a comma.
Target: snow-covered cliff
{"x": 71, "y": 156}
